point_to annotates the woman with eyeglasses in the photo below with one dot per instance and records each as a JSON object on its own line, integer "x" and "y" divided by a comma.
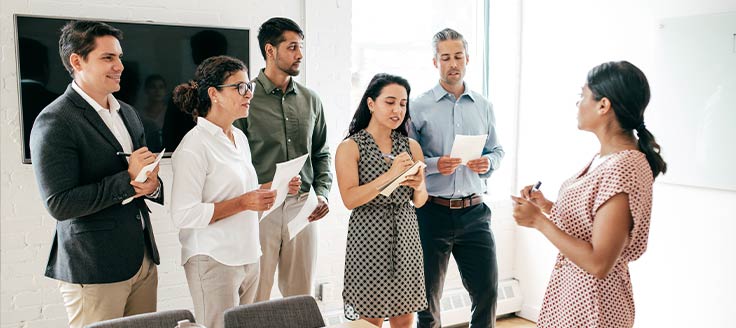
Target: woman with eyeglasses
{"x": 216, "y": 197}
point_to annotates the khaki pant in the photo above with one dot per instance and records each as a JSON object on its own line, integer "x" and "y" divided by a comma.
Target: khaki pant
{"x": 216, "y": 287}
{"x": 90, "y": 303}
{"x": 295, "y": 259}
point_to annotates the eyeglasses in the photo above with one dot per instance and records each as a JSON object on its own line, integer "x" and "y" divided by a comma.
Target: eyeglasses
{"x": 243, "y": 87}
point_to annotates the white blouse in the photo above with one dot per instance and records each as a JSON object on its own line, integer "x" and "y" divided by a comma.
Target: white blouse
{"x": 208, "y": 168}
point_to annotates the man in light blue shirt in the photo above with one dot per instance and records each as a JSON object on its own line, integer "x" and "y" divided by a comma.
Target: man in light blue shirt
{"x": 455, "y": 220}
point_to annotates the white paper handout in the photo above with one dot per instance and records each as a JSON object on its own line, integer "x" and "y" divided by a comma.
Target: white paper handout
{"x": 301, "y": 220}
{"x": 284, "y": 172}
{"x": 141, "y": 177}
{"x": 468, "y": 147}
{"x": 388, "y": 188}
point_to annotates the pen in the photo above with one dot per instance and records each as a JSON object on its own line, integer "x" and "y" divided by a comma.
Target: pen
{"x": 389, "y": 156}
{"x": 120, "y": 153}
{"x": 536, "y": 186}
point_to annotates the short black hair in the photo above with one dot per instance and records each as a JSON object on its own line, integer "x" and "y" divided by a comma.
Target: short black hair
{"x": 272, "y": 32}
{"x": 79, "y": 37}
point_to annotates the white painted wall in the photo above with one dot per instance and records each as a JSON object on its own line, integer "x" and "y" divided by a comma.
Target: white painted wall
{"x": 686, "y": 277}
{"x": 30, "y": 300}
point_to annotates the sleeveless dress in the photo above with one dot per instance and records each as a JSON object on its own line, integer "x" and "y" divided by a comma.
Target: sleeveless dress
{"x": 384, "y": 265}
{"x": 575, "y": 298}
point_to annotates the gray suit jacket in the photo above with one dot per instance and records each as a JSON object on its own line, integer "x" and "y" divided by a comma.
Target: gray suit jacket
{"x": 83, "y": 182}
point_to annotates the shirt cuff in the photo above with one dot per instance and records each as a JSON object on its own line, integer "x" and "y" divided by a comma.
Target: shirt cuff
{"x": 155, "y": 193}
{"x": 431, "y": 165}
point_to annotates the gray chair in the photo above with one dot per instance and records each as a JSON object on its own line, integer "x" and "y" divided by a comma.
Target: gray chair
{"x": 162, "y": 319}
{"x": 290, "y": 312}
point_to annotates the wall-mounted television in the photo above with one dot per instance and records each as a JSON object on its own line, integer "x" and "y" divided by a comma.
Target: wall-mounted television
{"x": 156, "y": 57}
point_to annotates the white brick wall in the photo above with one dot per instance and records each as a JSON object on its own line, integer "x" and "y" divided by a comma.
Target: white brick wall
{"x": 27, "y": 298}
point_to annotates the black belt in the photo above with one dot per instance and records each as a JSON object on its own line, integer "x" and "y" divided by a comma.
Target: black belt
{"x": 457, "y": 203}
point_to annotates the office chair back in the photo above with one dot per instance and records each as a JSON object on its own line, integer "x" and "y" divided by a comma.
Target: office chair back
{"x": 162, "y": 319}
{"x": 290, "y": 312}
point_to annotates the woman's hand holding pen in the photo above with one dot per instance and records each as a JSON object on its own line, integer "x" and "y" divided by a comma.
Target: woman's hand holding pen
{"x": 536, "y": 197}
{"x": 400, "y": 163}
{"x": 526, "y": 213}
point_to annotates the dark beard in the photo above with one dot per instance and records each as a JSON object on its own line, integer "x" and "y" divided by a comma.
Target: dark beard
{"x": 291, "y": 72}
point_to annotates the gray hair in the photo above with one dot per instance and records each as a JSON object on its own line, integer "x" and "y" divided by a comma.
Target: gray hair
{"x": 448, "y": 34}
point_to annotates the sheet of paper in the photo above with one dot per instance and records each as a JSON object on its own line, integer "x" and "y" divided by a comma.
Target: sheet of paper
{"x": 284, "y": 172}
{"x": 389, "y": 188}
{"x": 468, "y": 147}
{"x": 301, "y": 220}
{"x": 141, "y": 177}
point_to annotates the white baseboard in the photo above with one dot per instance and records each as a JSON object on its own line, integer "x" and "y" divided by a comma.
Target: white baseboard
{"x": 530, "y": 313}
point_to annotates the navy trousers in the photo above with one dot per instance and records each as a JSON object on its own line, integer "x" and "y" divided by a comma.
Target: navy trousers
{"x": 466, "y": 234}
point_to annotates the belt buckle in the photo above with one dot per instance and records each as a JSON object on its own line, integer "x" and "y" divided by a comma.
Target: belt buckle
{"x": 454, "y": 201}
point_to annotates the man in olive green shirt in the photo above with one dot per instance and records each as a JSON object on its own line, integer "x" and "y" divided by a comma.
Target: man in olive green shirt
{"x": 286, "y": 121}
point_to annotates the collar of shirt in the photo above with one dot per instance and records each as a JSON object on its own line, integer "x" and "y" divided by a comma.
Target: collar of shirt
{"x": 208, "y": 126}
{"x": 114, "y": 104}
{"x": 440, "y": 92}
{"x": 269, "y": 87}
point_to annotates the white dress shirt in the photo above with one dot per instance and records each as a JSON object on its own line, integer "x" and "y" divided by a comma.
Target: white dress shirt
{"x": 115, "y": 123}
{"x": 208, "y": 168}
{"x": 111, "y": 117}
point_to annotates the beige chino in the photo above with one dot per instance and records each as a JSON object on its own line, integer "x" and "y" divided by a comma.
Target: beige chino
{"x": 295, "y": 258}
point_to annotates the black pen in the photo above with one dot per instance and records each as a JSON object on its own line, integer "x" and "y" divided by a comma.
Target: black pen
{"x": 536, "y": 186}
{"x": 120, "y": 153}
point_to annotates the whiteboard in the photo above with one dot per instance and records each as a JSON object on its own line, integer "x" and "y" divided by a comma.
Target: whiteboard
{"x": 693, "y": 109}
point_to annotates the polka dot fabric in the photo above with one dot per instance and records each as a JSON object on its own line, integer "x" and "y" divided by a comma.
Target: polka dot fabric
{"x": 384, "y": 265}
{"x": 575, "y": 298}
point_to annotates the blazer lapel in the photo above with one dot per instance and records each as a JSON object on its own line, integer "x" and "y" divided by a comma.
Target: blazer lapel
{"x": 133, "y": 129}
{"x": 93, "y": 118}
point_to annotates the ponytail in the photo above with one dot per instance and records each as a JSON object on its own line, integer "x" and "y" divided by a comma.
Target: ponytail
{"x": 651, "y": 149}
{"x": 626, "y": 86}
{"x": 192, "y": 97}
{"x": 186, "y": 97}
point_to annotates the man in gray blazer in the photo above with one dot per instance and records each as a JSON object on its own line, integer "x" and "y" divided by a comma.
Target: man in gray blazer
{"x": 103, "y": 252}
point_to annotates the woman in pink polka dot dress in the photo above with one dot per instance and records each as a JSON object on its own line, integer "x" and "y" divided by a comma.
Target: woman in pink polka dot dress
{"x": 600, "y": 221}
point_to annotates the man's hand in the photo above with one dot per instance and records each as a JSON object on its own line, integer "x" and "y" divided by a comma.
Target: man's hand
{"x": 322, "y": 209}
{"x": 146, "y": 187}
{"x": 447, "y": 165}
{"x": 295, "y": 185}
{"x": 479, "y": 165}
{"x": 138, "y": 159}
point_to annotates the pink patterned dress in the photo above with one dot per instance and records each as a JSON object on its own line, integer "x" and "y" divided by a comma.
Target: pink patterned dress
{"x": 575, "y": 298}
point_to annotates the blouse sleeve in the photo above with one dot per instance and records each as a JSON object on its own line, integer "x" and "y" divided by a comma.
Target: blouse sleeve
{"x": 629, "y": 174}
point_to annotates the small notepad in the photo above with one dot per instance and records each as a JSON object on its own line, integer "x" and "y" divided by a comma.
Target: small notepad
{"x": 142, "y": 175}
{"x": 389, "y": 187}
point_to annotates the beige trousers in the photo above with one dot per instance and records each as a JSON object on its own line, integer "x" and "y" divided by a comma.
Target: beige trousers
{"x": 90, "y": 303}
{"x": 216, "y": 287}
{"x": 295, "y": 258}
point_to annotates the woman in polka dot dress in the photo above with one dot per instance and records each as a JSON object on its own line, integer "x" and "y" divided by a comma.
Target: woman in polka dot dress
{"x": 600, "y": 221}
{"x": 384, "y": 265}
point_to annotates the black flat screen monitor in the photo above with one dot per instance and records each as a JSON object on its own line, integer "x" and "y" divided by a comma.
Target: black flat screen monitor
{"x": 156, "y": 58}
